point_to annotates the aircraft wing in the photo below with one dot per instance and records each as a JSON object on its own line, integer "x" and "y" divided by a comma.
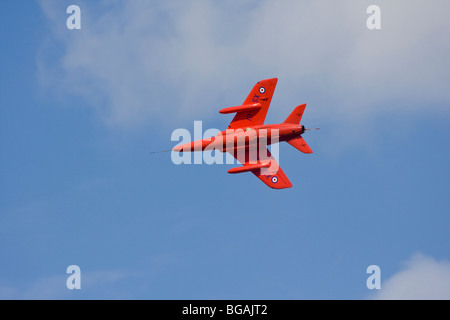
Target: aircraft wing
{"x": 272, "y": 175}
{"x": 261, "y": 94}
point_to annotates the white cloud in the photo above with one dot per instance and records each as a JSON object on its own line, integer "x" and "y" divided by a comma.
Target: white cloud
{"x": 54, "y": 287}
{"x": 422, "y": 278}
{"x": 141, "y": 61}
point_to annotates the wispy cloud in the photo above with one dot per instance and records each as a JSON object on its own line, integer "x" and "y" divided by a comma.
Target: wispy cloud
{"x": 421, "y": 278}
{"x": 135, "y": 61}
{"x": 101, "y": 284}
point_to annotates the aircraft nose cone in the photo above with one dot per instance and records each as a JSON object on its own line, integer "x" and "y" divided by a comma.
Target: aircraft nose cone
{"x": 178, "y": 149}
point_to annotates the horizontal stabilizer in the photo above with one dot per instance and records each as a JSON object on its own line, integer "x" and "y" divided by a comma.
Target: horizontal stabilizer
{"x": 242, "y": 108}
{"x": 249, "y": 167}
{"x": 300, "y": 144}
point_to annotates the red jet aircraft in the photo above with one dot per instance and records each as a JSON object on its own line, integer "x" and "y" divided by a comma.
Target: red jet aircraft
{"x": 247, "y": 137}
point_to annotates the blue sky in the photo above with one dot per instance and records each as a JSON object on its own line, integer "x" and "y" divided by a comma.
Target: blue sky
{"x": 80, "y": 111}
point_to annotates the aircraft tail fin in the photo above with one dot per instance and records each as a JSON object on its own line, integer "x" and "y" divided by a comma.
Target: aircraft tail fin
{"x": 296, "y": 115}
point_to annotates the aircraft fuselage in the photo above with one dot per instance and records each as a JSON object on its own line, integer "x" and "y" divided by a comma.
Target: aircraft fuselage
{"x": 233, "y": 139}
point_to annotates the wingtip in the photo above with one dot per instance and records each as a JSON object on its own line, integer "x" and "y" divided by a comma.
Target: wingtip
{"x": 275, "y": 80}
{"x": 285, "y": 186}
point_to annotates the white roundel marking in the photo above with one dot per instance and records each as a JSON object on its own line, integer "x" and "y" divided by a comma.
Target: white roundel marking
{"x": 262, "y": 90}
{"x": 274, "y": 179}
